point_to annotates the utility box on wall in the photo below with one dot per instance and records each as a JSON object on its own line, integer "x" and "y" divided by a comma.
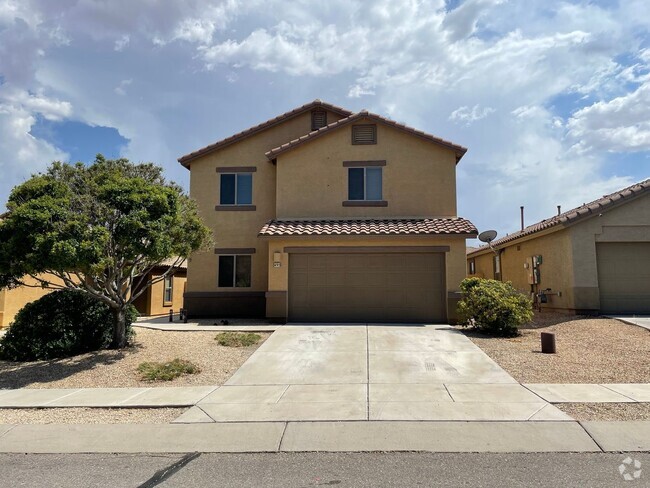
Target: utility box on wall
{"x": 532, "y": 266}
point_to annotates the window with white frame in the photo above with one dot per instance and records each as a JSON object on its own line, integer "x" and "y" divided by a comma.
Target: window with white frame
{"x": 168, "y": 289}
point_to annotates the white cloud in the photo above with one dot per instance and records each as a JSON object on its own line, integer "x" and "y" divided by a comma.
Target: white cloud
{"x": 621, "y": 124}
{"x": 121, "y": 88}
{"x": 122, "y": 42}
{"x": 468, "y": 115}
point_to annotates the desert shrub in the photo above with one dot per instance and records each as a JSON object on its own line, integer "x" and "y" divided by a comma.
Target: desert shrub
{"x": 493, "y": 307}
{"x": 61, "y": 324}
{"x": 235, "y": 339}
{"x": 168, "y": 371}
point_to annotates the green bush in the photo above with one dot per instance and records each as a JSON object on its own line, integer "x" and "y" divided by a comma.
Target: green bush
{"x": 166, "y": 371}
{"x": 235, "y": 339}
{"x": 61, "y": 324}
{"x": 493, "y": 307}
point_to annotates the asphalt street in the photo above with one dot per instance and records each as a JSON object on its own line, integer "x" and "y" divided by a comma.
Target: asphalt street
{"x": 323, "y": 469}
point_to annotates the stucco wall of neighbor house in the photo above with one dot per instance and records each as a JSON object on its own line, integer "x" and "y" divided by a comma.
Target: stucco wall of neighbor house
{"x": 483, "y": 266}
{"x": 238, "y": 229}
{"x": 419, "y": 178}
{"x": 278, "y": 285}
{"x": 152, "y": 301}
{"x": 629, "y": 222}
{"x": 16, "y": 298}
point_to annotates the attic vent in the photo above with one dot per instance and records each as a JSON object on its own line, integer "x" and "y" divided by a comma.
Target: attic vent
{"x": 318, "y": 119}
{"x": 364, "y": 134}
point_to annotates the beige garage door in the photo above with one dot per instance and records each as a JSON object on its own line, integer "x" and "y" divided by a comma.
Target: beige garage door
{"x": 624, "y": 277}
{"x": 392, "y": 287}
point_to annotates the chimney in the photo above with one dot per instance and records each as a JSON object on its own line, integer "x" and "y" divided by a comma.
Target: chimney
{"x": 522, "y": 217}
{"x": 559, "y": 209}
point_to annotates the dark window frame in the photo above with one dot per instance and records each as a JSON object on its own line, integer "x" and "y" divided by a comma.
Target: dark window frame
{"x": 236, "y": 175}
{"x": 233, "y": 271}
{"x": 472, "y": 266}
{"x": 365, "y": 169}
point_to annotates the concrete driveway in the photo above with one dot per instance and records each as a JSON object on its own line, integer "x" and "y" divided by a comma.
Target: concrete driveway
{"x": 370, "y": 372}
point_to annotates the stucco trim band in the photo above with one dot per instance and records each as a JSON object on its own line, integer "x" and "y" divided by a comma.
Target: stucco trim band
{"x": 236, "y": 169}
{"x": 365, "y": 203}
{"x": 235, "y": 208}
{"x": 363, "y": 249}
{"x": 361, "y": 164}
{"x": 235, "y": 250}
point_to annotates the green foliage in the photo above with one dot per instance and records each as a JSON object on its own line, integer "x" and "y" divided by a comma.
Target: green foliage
{"x": 236, "y": 339}
{"x": 61, "y": 324}
{"x": 98, "y": 228}
{"x": 168, "y": 371}
{"x": 493, "y": 307}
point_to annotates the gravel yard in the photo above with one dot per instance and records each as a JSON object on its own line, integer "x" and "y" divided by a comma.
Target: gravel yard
{"x": 89, "y": 415}
{"x": 118, "y": 368}
{"x": 590, "y": 350}
{"x": 606, "y": 411}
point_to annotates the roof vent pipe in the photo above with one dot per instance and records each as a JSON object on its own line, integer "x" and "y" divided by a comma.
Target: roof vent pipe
{"x": 522, "y": 217}
{"x": 559, "y": 209}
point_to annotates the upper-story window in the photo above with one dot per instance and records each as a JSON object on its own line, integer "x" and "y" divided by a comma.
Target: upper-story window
{"x": 364, "y": 134}
{"x": 236, "y": 189}
{"x": 318, "y": 119}
{"x": 365, "y": 183}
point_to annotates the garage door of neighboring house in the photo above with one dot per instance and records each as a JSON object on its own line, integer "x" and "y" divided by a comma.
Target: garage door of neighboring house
{"x": 390, "y": 287}
{"x": 624, "y": 277}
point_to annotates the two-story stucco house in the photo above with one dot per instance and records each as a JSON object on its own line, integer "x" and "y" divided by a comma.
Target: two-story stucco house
{"x": 324, "y": 215}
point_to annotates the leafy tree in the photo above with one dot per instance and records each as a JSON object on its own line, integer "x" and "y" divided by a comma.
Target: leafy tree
{"x": 100, "y": 229}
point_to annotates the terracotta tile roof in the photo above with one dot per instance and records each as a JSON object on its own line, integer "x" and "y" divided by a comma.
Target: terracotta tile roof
{"x": 185, "y": 160}
{"x": 583, "y": 211}
{"x": 380, "y": 227}
{"x": 460, "y": 150}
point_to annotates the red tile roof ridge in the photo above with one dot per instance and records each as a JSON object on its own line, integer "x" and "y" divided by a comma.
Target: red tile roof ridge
{"x": 576, "y": 213}
{"x": 184, "y": 160}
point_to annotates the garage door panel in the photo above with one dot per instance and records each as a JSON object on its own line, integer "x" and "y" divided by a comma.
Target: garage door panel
{"x": 624, "y": 277}
{"x": 378, "y": 287}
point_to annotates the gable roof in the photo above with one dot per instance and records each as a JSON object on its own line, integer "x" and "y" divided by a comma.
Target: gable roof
{"x": 459, "y": 150}
{"x": 571, "y": 216}
{"x": 368, "y": 227}
{"x": 185, "y": 160}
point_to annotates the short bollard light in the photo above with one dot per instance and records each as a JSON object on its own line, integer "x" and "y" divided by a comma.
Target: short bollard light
{"x": 171, "y": 314}
{"x": 548, "y": 343}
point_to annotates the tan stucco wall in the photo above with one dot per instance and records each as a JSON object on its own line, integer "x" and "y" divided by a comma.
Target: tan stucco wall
{"x": 11, "y": 301}
{"x": 152, "y": 301}
{"x": 234, "y": 229}
{"x": 454, "y": 259}
{"x": 483, "y": 266}
{"x": 629, "y": 222}
{"x": 419, "y": 178}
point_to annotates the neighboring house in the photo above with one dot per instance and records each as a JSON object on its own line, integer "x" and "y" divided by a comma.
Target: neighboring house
{"x": 322, "y": 215}
{"x": 594, "y": 258}
{"x": 12, "y": 300}
{"x": 164, "y": 295}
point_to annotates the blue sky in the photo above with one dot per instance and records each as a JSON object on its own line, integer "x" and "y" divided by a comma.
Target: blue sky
{"x": 551, "y": 98}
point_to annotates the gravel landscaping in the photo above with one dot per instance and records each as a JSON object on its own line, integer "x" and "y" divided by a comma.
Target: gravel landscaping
{"x": 119, "y": 368}
{"x": 606, "y": 411}
{"x": 89, "y": 415}
{"x": 589, "y": 350}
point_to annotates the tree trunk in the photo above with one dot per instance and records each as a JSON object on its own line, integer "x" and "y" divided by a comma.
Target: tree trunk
{"x": 119, "y": 328}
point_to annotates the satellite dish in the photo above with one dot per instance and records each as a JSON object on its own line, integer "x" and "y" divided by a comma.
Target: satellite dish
{"x": 487, "y": 236}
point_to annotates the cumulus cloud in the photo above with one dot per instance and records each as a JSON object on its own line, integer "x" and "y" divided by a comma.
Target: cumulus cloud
{"x": 122, "y": 42}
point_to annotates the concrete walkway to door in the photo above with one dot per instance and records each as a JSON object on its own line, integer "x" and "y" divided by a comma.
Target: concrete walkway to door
{"x": 370, "y": 372}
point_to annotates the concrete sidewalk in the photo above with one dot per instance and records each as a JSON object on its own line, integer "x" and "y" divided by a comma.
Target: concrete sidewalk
{"x": 204, "y": 325}
{"x": 329, "y": 437}
{"x": 640, "y": 320}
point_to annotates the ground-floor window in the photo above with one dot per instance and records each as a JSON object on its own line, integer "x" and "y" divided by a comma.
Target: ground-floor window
{"x": 168, "y": 294}
{"x": 235, "y": 271}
